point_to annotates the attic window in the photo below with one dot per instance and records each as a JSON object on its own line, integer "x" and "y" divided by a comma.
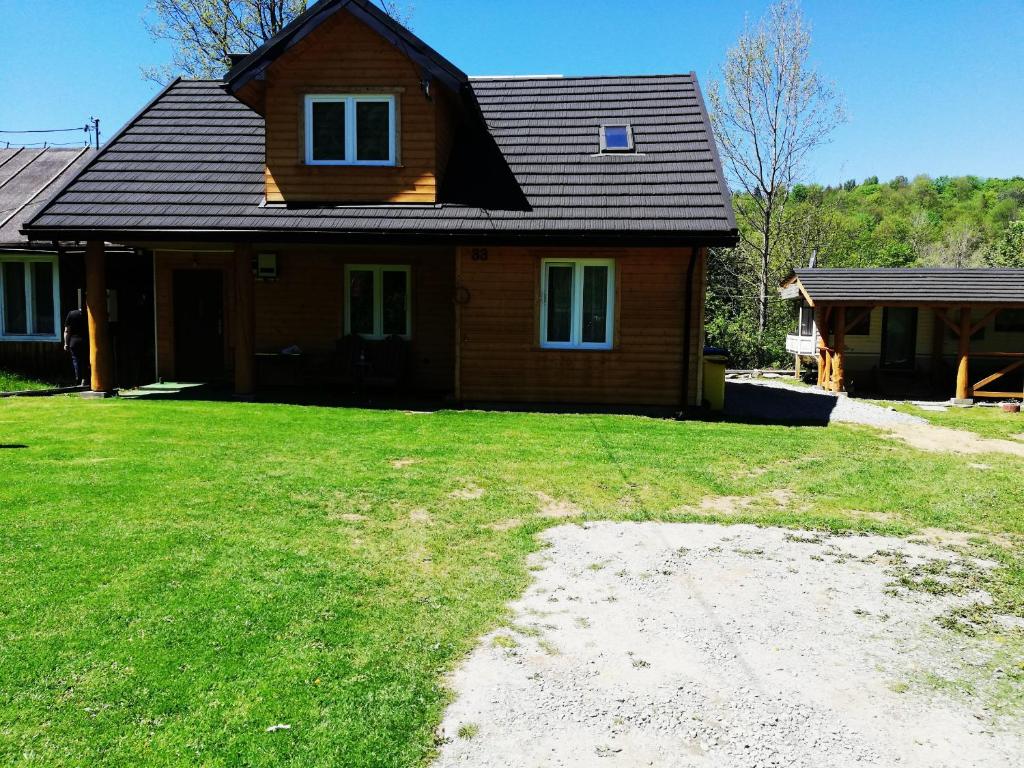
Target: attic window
{"x": 350, "y": 130}
{"x": 617, "y": 138}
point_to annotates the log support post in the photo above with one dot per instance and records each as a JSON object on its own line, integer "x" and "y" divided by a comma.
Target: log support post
{"x": 821, "y": 323}
{"x": 100, "y": 352}
{"x": 838, "y": 354}
{"x": 244, "y": 325}
{"x": 963, "y": 388}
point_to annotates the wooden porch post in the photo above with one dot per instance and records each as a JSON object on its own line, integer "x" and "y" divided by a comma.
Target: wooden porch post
{"x": 963, "y": 389}
{"x": 100, "y": 353}
{"x": 244, "y": 331}
{"x": 838, "y": 370}
{"x": 823, "y": 359}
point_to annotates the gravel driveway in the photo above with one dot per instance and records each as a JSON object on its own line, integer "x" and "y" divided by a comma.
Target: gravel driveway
{"x": 659, "y": 644}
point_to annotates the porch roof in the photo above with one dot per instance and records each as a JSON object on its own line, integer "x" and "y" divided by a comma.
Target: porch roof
{"x": 928, "y": 287}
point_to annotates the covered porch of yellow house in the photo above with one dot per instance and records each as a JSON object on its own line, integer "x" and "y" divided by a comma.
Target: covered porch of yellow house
{"x": 955, "y": 331}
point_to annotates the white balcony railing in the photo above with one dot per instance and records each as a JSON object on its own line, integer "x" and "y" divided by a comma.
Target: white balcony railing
{"x": 802, "y": 345}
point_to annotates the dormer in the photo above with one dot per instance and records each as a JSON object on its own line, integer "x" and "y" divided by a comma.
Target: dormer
{"x": 357, "y": 109}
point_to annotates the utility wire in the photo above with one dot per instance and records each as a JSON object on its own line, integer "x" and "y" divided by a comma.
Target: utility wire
{"x": 51, "y": 130}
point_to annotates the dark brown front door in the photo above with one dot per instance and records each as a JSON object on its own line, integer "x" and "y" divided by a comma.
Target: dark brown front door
{"x": 198, "y": 325}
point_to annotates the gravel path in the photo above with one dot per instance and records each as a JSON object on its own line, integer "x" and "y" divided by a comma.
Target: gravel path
{"x": 659, "y": 644}
{"x": 781, "y": 403}
{"x": 778, "y": 401}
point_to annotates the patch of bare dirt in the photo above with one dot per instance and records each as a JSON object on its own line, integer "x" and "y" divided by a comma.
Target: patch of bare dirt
{"x": 735, "y": 505}
{"x": 928, "y": 437}
{"x": 505, "y": 525}
{"x": 420, "y": 516}
{"x": 403, "y": 463}
{"x": 557, "y": 508}
{"x": 350, "y": 517}
{"x": 469, "y": 493}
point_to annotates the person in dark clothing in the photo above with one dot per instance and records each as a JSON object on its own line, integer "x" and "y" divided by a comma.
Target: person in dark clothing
{"x": 76, "y": 342}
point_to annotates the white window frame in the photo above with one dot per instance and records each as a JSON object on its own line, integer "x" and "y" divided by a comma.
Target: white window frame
{"x": 576, "y": 327}
{"x": 378, "y": 298}
{"x": 350, "y": 101}
{"x": 30, "y": 315}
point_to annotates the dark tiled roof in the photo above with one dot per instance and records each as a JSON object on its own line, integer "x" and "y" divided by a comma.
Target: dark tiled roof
{"x": 28, "y": 179}
{"x": 193, "y": 160}
{"x": 929, "y": 286}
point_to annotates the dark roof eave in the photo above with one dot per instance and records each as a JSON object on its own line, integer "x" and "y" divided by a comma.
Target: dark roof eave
{"x": 708, "y": 239}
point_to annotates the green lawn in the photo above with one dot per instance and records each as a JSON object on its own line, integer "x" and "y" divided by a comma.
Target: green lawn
{"x": 987, "y": 421}
{"x": 179, "y": 576}
{"x": 12, "y": 382}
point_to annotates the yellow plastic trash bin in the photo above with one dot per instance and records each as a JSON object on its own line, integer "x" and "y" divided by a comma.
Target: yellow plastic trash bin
{"x": 715, "y": 362}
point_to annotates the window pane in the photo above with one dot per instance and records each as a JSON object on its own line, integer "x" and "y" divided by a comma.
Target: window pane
{"x": 360, "y": 301}
{"x": 328, "y": 130}
{"x": 595, "y": 305}
{"x": 559, "y": 303}
{"x": 14, "y": 298}
{"x": 806, "y": 321}
{"x": 395, "y": 292}
{"x": 373, "y": 130}
{"x": 42, "y": 297}
{"x": 616, "y": 137}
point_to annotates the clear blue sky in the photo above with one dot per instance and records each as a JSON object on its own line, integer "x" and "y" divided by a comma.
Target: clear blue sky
{"x": 932, "y": 86}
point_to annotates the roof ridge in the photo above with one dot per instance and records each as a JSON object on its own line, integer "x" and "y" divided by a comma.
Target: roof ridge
{"x": 520, "y": 78}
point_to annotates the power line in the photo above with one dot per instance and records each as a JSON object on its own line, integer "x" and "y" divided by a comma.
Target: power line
{"x": 83, "y": 128}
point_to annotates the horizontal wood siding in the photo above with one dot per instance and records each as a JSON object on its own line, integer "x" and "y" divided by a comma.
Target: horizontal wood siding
{"x": 500, "y": 354}
{"x": 344, "y": 55}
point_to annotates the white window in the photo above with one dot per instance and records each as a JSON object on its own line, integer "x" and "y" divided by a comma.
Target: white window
{"x": 377, "y": 301}
{"x": 577, "y": 303}
{"x": 350, "y": 130}
{"x": 29, "y": 298}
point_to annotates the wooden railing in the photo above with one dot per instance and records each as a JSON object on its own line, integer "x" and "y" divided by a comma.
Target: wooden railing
{"x": 1018, "y": 360}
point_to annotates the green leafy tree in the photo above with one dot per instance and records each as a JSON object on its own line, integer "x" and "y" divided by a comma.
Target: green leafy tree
{"x": 1008, "y": 250}
{"x": 770, "y": 111}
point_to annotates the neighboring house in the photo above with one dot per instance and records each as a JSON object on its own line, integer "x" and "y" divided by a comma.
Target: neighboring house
{"x": 38, "y": 285}
{"x": 912, "y": 332}
{"x": 43, "y": 278}
{"x": 348, "y": 193}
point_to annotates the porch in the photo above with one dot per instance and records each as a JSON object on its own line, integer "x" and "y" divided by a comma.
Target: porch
{"x": 912, "y": 332}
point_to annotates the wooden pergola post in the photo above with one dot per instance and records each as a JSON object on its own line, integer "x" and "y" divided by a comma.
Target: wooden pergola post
{"x": 821, "y": 323}
{"x": 963, "y": 387}
{"x": 100, "y": 353}
{"x": 244, "y": 325}
{"x": 838, "y": 370}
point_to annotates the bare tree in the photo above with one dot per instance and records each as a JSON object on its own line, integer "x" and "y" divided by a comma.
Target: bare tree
{"x": 770, "y": 110}
{"x": 205, "y": 32}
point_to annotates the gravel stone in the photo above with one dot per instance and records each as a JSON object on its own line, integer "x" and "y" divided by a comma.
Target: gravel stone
{"x": 798, "y": 656}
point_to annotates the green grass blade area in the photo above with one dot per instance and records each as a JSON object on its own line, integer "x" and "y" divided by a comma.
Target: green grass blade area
{"x": 985, "y": 420}
{"x": 13, "y": 382}
{"x": 181, "y": 576}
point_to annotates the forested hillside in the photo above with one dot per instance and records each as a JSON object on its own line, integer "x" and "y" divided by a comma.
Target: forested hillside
{"x": 955, "y": 222}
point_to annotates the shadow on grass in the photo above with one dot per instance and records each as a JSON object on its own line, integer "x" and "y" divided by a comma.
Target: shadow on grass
{"x": 745, "y": 403}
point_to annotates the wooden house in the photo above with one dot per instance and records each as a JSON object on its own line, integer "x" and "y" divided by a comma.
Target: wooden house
{"x": 350, "y": 198}
{"x": 912, "y": 332}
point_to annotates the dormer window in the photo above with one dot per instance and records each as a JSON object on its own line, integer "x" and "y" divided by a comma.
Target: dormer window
{"x": 617, "y": 138}
{"x": 350, "y": 129}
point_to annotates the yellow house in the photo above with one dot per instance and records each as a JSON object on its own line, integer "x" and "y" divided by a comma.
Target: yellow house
{"x": 912, "y": 332}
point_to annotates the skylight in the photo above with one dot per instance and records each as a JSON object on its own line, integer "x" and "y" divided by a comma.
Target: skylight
{"x": 617, "y": 138}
